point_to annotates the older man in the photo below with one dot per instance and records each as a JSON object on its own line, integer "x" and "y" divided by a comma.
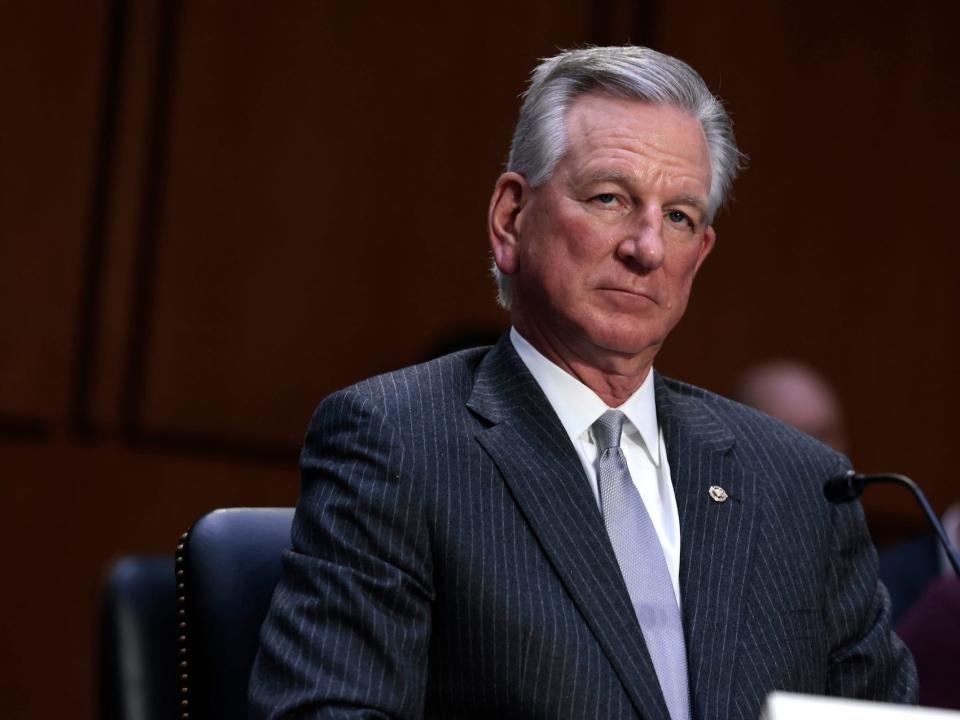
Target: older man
{"x": 547, "y": 528}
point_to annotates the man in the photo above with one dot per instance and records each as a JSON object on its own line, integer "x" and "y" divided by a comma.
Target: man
{"x": 547, "y": 528}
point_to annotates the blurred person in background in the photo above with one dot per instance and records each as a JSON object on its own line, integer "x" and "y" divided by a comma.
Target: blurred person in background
{"x": 797, "y": 394}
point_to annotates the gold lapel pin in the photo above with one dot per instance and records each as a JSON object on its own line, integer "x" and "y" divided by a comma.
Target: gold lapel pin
{"x": 718, "y": 494}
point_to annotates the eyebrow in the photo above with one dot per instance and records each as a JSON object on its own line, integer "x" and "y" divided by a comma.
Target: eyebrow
{"x": 691, "y": 200}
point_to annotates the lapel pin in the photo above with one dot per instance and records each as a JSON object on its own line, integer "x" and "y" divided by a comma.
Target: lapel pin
{"x": 718, "y": 494}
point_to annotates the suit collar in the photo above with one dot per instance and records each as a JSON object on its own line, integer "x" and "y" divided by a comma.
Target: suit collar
{"x": 502, "y": 385}
{"x": 679, "y": 406}
{"x": 578, "y": 406}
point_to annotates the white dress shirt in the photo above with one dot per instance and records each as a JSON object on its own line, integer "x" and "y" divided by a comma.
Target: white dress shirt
{"x": 578, "y": 408}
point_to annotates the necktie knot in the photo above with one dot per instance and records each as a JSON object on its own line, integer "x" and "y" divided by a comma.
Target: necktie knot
{"x": 608, "y": 428}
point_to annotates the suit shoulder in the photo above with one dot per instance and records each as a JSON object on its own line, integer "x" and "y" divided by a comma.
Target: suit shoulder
{"x": 753, "y": 428}
{"x": 429, "y": 383}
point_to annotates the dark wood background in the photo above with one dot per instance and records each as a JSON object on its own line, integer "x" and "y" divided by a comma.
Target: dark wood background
{"x": 212, "y": 214}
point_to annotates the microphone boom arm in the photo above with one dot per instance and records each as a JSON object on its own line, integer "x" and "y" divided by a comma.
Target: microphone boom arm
{"x": 849, "y": 486}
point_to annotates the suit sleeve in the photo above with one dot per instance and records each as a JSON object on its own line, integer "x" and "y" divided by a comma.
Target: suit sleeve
{"x": 348, "y": 631}
{"x": 867, "y": 660}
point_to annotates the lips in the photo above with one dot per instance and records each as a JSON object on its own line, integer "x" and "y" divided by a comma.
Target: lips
{"x": 628, "y": 294}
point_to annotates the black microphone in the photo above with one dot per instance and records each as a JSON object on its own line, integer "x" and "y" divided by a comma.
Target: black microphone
{"x": 849, "y": 486}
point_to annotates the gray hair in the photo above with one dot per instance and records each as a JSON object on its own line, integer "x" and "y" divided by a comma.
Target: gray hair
{"x": 636, "y": 73}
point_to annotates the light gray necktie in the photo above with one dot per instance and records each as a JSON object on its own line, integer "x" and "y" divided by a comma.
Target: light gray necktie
{"x": 642, "y": 564}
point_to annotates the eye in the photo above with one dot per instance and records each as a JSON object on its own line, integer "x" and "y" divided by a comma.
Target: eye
{"x": 606, "y": 198}
{"x": 677, "y": 217}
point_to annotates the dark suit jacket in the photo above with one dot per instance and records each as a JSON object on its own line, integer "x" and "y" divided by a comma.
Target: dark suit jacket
{"x": 449, "y": 560}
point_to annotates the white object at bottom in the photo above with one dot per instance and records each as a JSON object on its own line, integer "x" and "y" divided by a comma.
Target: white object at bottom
{"x": 790, "y": 706}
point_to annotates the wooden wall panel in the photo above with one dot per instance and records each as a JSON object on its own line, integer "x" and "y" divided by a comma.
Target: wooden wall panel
{"x": 50, "y": 78}
{"x": 324, "y": 209}
{"x": 116, "y": 321}
{"x": 840, "y": 248}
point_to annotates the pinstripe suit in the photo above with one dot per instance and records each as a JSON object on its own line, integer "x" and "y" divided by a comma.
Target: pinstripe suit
{"x": 450, "y": 561}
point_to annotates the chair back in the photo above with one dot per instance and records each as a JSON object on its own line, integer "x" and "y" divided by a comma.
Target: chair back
{"x": 138, "y": 641}
{"x": 227, "y": 567}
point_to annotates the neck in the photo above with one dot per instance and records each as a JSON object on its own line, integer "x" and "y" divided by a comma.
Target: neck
{"x": 613, "y": 376}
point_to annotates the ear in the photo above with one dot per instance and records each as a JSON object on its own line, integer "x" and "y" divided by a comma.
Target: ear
{"x": 510, "y": 196}
{"x": 706, "y": 245}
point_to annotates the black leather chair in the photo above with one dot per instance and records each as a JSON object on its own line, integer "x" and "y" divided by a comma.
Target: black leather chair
{"x": 227, "y": 566}
{"x": 138, "y": 641}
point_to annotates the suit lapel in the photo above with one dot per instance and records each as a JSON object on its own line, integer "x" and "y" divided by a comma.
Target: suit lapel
{"x": 541, "y": 468}
{"x": 716, "y": 542}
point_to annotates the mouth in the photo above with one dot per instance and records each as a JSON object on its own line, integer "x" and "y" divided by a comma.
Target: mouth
{"x": 626, "y": 295}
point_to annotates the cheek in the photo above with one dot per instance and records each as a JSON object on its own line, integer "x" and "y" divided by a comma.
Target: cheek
{"x": 588, "y": 247}
{"x": 564, "y": 252}
{"x": 680, "y": 273}
{"x": 684, "y": 260}
{"x": 566, "y": 244}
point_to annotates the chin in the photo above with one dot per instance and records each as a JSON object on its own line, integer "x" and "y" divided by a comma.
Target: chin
{"x": 631, "y": 340}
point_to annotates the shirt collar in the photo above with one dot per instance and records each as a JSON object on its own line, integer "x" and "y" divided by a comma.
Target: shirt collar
{"x": 578, "y": 407}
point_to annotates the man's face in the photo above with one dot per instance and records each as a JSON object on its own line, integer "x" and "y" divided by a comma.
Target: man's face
{"x": 603, "y": 255}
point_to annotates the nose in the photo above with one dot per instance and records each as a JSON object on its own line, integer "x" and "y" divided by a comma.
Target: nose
{"x": 644, "y": 243}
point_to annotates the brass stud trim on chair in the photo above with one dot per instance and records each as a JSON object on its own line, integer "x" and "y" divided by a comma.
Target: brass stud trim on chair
{"x": 184, "y": 685}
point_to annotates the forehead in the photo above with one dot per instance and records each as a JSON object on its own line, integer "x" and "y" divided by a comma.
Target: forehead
{"x": 601, "y": 128}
